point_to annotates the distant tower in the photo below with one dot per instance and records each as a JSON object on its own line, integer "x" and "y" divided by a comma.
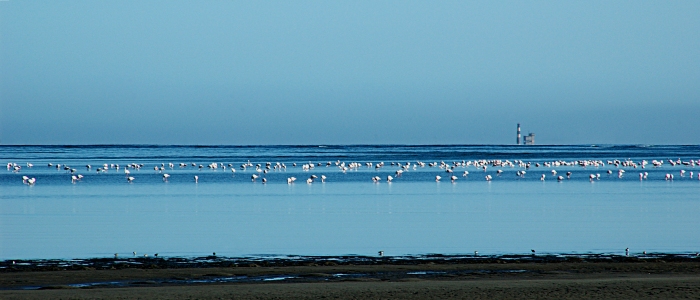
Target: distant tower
{"x": 518, "y": 141}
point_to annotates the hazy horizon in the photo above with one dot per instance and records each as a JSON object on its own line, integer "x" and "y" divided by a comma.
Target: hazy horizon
{"x": 345, "y": 73}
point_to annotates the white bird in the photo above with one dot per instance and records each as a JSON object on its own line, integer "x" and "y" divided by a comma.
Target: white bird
{"x": 31, "y": 181}
{"x": 24, "y": 179}
{"x": 255, "y": 176}
{"x": 437, "y": 178}
{"x": 130, "y": 179}
{"x": 542, "y": 177}
{"x": 309, "y": 181}
{"x": 196, "y": 178}
{"x": 560, "y": 178}
{"x": 73, "y": 178}
{"x": 323, "y": 178}
{"x": 389, "y": 178}
{"x": 166, "y": 176}
{"x": 488, "y": 177}
{"x": 465, "y": 173}
{"x": 453, "y": 178}
{"x": 554, "y": 172}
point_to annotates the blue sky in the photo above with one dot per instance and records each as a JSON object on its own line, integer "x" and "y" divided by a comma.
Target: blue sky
{"x": 349, "y": 72}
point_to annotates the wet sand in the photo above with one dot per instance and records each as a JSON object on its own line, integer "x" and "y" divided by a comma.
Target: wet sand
{"x": 663, "y": 277}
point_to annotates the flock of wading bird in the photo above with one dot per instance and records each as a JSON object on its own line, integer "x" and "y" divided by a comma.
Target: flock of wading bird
{"x": 449, "y": 168}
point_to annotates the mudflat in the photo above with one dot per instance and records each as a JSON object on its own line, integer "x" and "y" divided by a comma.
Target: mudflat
{"x": 571, "y": 278}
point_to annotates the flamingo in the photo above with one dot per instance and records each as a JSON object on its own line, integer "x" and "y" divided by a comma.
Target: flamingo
{"x": 255, "y": 176}
{"x": 166, "y": 176}
{"x": 196, "y": 178}
{"x": 453, "y": 178}
{"x": 129, "y": 179}
{"x": 31, "y": 181}
{"x": 437, "y": 178}
{"x": 323, "y": 178}
{"x": 488, "y": 177}
{"x": 389, "y": 178}
{"x": 542, "y": 178}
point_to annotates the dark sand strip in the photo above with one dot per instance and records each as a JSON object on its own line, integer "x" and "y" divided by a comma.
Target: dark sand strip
{"x": 579, "y": 279}
{"x": 652, "y": 287}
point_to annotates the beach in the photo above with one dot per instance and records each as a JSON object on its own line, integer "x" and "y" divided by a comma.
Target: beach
{"x": 181, "y": 230}
{"x": 609, "y": 277}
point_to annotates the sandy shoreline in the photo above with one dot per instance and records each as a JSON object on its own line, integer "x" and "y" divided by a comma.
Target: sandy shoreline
{"x": 490, "y": 278}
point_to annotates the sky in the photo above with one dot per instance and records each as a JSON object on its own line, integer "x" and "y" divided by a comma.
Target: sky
{"x": 349, "y": 72}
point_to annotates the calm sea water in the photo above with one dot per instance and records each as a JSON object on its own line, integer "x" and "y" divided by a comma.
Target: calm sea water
{"x": 228, "y": 213}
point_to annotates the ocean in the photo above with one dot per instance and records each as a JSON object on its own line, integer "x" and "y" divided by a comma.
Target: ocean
{"x": 229, "y": 213}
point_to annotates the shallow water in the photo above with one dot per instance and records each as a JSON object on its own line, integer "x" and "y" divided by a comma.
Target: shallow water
{"x": 229, "y": 214}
